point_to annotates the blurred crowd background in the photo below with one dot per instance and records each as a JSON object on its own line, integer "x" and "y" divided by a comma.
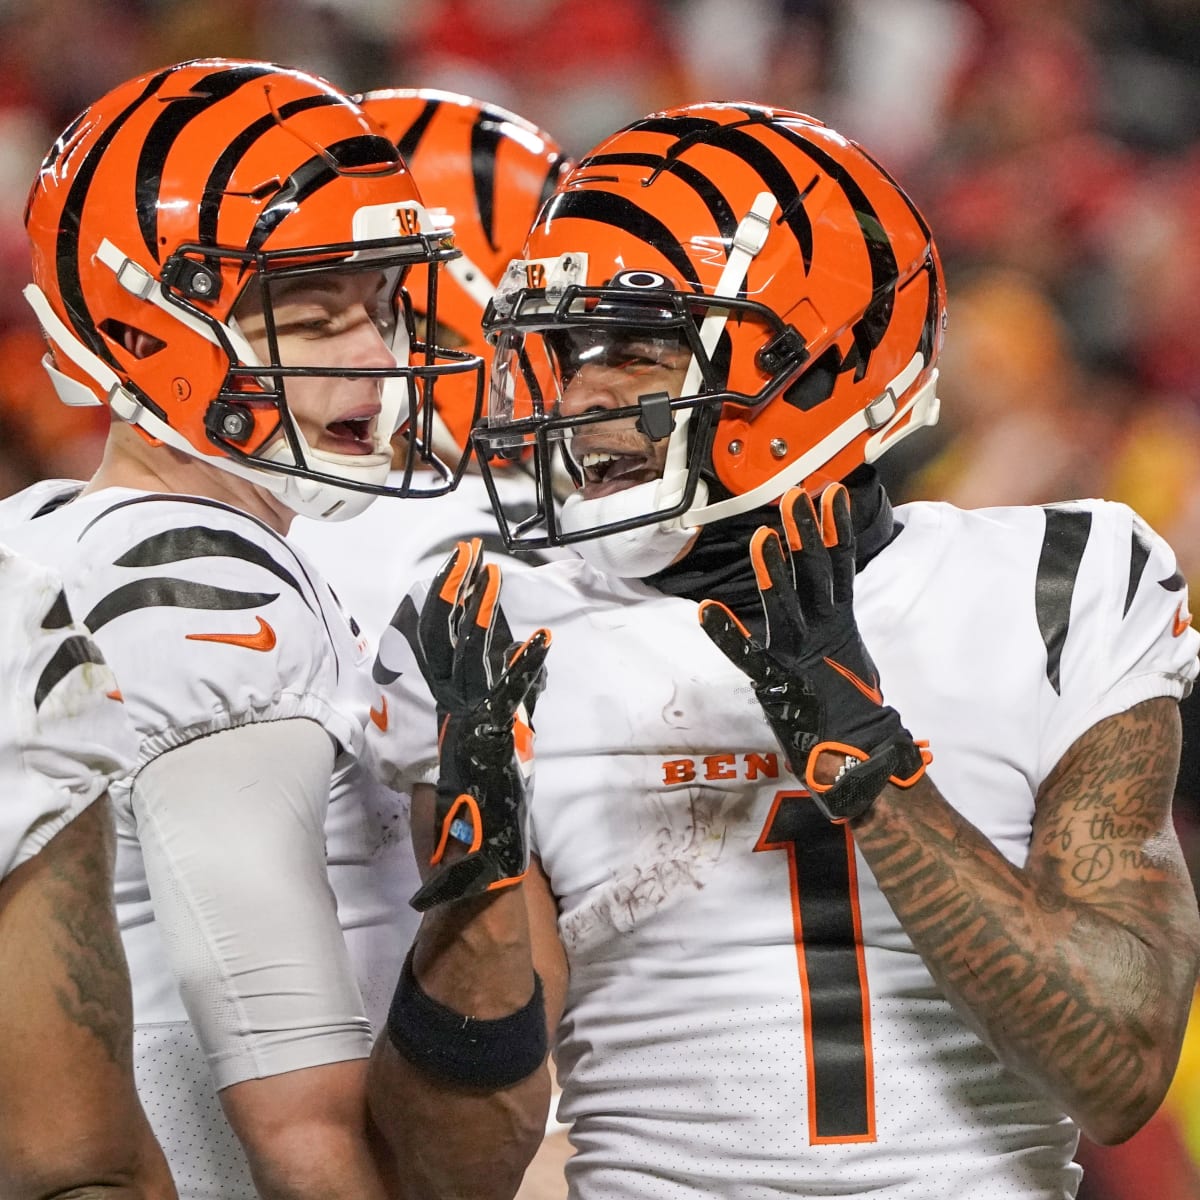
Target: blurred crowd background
{"x": 1053, "y": 144}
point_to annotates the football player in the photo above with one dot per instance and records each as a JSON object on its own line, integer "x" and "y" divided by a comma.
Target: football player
{"x": 484, "y": 173}
{"x": 70, "y": 1119}
{"x": 219, "y": 255}
{"x": 850, "y": 868}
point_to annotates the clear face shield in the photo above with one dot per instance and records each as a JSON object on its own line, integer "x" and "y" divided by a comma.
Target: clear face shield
{"x": 609, "y": 393}
{"x": 329, "y": 382}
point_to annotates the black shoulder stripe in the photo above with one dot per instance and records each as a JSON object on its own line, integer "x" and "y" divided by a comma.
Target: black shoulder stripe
{"x": 722, "y": 213}
{"x": 199, "y": 541}
{"x": 558, "y": 168}
{"x": 408, "y": 144}
{"x": 1063, "y": 544}
{"x": 616, "y": 210}
{"x": 485, "y": 140}
{"x": 1139, "y": 555}
{"x": 171, "y": 593}
{"x": 59, "y": 614}
{"x": 218, "y": 180}
{"x": 405, "y": 621}
{"x": 163, "y": 134}
{"x": 72, "y": 653}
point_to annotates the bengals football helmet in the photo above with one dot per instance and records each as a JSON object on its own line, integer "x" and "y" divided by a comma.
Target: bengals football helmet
{"x": 484, "y": 172}
{"x": 797, "y": 280}
{"x": 163, "y": 203}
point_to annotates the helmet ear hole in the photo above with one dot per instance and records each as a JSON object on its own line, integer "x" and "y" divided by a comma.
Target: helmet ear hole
{"x": 138, "y": 342}
{"x": 815, "y": 386}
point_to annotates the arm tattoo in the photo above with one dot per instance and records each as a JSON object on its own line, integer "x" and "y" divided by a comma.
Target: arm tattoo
{"x": 1072, "y": 968}
{"x": 94, "y": 993}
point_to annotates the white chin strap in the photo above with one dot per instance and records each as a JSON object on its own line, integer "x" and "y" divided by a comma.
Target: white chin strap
{"x": 307, "y": 497}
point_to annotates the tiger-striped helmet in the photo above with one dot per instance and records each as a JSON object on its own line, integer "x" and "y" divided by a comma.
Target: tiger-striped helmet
{"x": 485, "y": 172}
{"x": 170, "y": 197}
{"x": 801, "y": 281}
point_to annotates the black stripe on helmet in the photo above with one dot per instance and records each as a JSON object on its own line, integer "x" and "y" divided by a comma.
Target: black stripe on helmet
{"x": 720, "y": 209}
{"x": 885, "y": 270}
{"x": 778, "y": 179}
{"x": 72, "y": 652}
{"x": 407, "y": 145}
{"x": 486, "y": 136}
{"x": 558, "y": 168}
{"x": 66, "y": 249}
{"x": 362, "y": 151}
{"x": 622, "y": 213}
{"x": 218, "y": 180}
{"x": 166, "y": 129}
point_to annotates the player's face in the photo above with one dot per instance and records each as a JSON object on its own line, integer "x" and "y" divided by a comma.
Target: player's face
{"x": 605, "y": 370}
{"x": 334, "y": 319}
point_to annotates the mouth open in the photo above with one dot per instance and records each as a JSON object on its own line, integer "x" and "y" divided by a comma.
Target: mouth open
{"x": 609, "y": 471}
{"x": 351, "y": 434}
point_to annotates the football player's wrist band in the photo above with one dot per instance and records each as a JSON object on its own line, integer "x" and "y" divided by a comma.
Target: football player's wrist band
{"x": 465, "y": 1050}
{"x": 899, "y": 761}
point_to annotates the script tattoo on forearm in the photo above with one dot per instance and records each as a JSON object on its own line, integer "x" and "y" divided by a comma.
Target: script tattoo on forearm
{"x": 1056, "y": 963}
{"x": 87, "y": 942}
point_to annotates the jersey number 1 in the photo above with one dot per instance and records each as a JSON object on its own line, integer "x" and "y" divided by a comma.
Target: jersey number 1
{"x": 832, "y": 966}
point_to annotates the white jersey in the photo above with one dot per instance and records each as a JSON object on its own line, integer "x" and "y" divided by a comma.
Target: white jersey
{"x": 745, "y": 1015}
{"x": 373, "y": 559}
{"x": 64, "y": 733}
{"x": 211, "y": 621}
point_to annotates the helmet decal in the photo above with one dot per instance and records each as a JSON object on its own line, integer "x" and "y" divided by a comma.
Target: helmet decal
{"x": 803, "y": 279}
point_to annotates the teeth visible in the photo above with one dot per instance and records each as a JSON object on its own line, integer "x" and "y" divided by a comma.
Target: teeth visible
{"x": 596, "y": 459}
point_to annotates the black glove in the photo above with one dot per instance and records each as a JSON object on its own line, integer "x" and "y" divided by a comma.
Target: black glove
{"x": 814, "y": 678}
{"x": 484, "y": 686}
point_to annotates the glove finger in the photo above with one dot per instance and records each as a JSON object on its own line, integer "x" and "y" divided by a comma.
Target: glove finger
{"x": 837, "y": 532}
{"x": 469, "y": 876}
{"x": 438, "y": 620}
{"x": 523, "y": 680}
{"x": 733, "y": 639}
{"x": 810, "y": 559}
{"x": 776, "y": 588}
{"x": 472, "y": 673}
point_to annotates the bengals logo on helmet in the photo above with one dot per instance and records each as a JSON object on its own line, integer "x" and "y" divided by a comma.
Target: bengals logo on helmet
{"x": 163, "y": 202}
{"x": 486, "y": 172}
{"x": 814, "y": 290}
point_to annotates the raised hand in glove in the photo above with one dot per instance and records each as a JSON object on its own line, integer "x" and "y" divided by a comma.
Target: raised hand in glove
{"x": 485, "y": 688}
{"x": 813, "y": 676}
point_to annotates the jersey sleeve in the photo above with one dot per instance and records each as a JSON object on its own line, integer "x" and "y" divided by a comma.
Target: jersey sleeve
{"x": 1128, "y": 637}
{"x": 64, "y": 732}
{"x": 210, "y": 621}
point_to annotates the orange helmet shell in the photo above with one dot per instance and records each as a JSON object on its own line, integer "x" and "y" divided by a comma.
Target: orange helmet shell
{"x": 488, "y": 171}
{"x": 847, "y": 262}
{"x": 241, "y": 158}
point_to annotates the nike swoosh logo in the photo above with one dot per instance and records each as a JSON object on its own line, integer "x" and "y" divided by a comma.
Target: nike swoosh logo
{"x": 1182, "y": 621}
{"x": 263, "y": 639}
{"x": 870, "y": 690}
{"x": 379, "y": 717}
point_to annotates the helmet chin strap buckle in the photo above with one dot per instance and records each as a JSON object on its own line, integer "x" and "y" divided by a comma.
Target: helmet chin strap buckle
{"x": 656, "y": 420}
